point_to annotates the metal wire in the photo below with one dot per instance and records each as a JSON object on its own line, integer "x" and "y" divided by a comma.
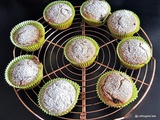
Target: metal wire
{"x": 55, "y": 65}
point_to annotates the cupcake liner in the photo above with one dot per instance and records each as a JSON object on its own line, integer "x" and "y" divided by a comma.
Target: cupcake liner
{"x": 89, "y": 62}
{"x": 122, "y": 36}
{"x": 133, "y": 97}
{"x": 127, "y": 65}
{"x": 94, "y": 22}
{"x": 75, "y": 85}
{"x": 34, "y": 46}
{"x": 64, "y": 25}
{"x": 31, "y": 85}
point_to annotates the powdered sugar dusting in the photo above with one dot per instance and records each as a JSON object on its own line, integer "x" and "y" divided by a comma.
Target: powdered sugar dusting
{"x": 58, "y": 96}
{"x": 81, "y": 50}
{"x": 122, "y": 22}
{"x": 117, "y": 86}
{"x": 27, "y": 35}
{"x": 135, "y": 51}
{"x": 95, "y": 10}
{"x": 59, "y": 13}
{"x": 24, "y": 72}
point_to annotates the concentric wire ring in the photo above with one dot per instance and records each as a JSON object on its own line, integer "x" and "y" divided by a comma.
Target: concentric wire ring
{"x": 55, "y": 65}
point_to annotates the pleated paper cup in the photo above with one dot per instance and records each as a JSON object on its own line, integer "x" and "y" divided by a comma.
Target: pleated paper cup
{"x": 108, "y": 102}
{"x": 93, "y": 22}
{"x": 116, "y": 33}
{"x": 63, "y": 25}
{"x": 41, "y": 94}
{"x": 33, "y": 83}
{"x": 125, "y": 63}
{"x": 37, "y": 43}
{"x": 88, "y": 62}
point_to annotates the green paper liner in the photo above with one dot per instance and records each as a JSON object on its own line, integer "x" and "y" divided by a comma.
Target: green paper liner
{"x": 122, "y": 36}
{"x": 94, "y": 22}
{"x": 35, "y": 46}
{"x": 30, "y": 85}
{"x": 134, "y": 94}
{"x": 75, "y": 85}
{"x": 89, "y": 62}
{"x": 128, "y": 65}
{"x": 63, "y": 25}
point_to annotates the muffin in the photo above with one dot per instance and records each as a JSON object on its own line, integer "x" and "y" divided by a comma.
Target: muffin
{"x": 134, "y": 52}
{"x": 123, "y": 23}
{"x": 81, "y": 51}
{"x": 58, "y": 96}
{"x": 24, "y": 72}
{"x": 28, "y": 35}
{"x": 116, "y": 89}
{"x": 59, "y": 14}
{"x": 95, "y": 12}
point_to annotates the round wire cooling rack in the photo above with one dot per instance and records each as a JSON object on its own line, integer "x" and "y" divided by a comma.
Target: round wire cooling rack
{"x": 89, "y": 105}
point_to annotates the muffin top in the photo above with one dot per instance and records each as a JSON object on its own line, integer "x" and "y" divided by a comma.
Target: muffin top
{"x": 134, "y": 51}
{"x": 80, "y": 50}
{"x": 27, "y": 35}
{"x": 58, "y": 96}
{"x": 96, "y": 10}
{"x": 24, "y": 71}
{"x": 123, "y": 22}
{"x": 58, "y": 13}
{"x": 115, "y": 88}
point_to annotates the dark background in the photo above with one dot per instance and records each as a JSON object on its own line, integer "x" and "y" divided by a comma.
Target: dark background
{"x": 14, "y": 11}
